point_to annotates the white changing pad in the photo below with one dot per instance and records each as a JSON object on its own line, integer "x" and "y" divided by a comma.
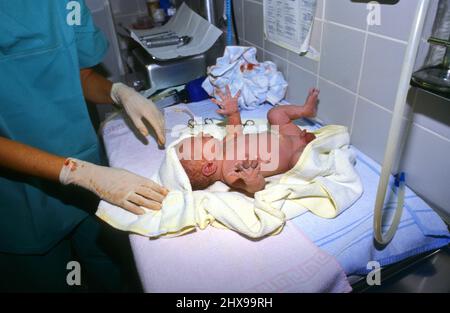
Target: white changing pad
{"x": 219, "y": 260}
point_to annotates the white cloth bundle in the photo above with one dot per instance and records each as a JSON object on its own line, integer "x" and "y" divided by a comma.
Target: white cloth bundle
{"x": 258, "y": 83}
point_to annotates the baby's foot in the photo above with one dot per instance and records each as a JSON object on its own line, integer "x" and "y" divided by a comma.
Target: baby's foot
{"x": 310, "y": 106}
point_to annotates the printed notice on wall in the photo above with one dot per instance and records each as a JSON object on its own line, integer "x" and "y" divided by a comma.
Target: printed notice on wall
{"x": 288, "y": 23}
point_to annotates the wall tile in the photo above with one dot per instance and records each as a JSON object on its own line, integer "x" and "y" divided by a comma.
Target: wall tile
{"x": 396, "y": 20}
{"x": 303, "y": 62}
{"x": 347, "y": 12}
{"x": 300, "y": 82}
{"x": 382, "y": 67}
{"x": 275, "y": 49}
{"x": 341, "y": 55}
{"x": 259, "y": 51}
{"x": 253, "y": 23}
{"x": 280, "y": 62}
{"x": 336, "y": 105}
{"x": 316, "y": 34}
{"x": 371, "y": 128}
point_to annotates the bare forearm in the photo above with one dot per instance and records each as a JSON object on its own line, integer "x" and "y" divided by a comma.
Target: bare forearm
{"x": 28, "y": 160}
{"x": 96, "y": 88}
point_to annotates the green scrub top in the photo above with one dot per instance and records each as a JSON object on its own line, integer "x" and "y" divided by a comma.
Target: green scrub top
{"x": 42, "y": 105}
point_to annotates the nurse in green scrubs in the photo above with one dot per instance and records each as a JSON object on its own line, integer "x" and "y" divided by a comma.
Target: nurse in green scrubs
{"x": 50, "y": 166}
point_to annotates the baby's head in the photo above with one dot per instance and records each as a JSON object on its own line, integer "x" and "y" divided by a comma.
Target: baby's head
{"x": 200, "y": 158}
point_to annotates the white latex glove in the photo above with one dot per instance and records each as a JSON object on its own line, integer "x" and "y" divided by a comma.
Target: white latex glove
{"x": 116, "y": 186}
{"x": 138, "y": 108}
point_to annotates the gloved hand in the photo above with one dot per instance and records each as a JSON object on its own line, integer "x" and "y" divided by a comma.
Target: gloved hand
{"x": 116, "y": 186}
{"x": 137, "y": 108}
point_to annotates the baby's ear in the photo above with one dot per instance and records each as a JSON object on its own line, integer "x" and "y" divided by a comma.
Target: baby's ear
{"x": 209, "y": 168}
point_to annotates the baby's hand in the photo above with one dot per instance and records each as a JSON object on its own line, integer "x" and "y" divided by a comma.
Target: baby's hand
{"x": 250, "y": 173}
{"x": 228, "y": 104}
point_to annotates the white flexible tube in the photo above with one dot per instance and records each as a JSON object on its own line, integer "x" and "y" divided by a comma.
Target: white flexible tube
{"x": 394, "y": 132}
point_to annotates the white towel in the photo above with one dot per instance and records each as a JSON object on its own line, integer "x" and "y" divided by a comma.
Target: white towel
{"x": 323, "y": 181}
{"x": 260, "y": 84}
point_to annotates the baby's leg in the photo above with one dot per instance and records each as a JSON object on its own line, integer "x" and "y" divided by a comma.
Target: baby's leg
{"x": 283, "y": 115}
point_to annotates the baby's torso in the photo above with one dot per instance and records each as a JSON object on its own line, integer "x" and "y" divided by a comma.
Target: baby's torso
{"x": 278, "y": 153}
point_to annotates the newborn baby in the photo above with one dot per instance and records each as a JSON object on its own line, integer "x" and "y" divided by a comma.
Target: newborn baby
{"x": 242, "y": 161}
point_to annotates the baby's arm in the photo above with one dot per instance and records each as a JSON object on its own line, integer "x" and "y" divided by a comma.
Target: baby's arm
{"x": 229, "y": 108}
{"x": 247, "y": 176}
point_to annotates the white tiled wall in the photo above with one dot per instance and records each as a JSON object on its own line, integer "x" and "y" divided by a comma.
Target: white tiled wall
{"x": 358, "y": 74}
